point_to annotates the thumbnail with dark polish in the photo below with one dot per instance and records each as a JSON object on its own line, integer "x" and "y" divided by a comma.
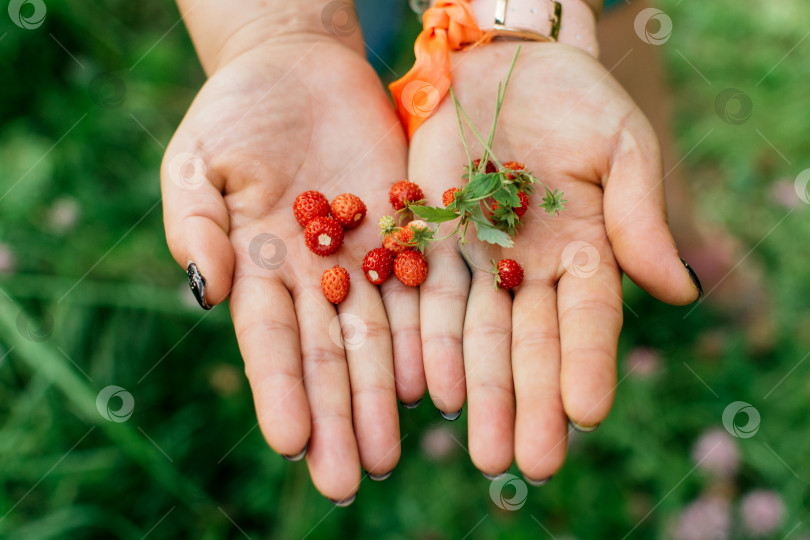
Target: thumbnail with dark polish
{"x": 695, "y": 279}
{"x": 197, "y": 284}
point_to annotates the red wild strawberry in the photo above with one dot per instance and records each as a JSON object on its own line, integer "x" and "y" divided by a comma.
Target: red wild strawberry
{"x": 524, "y": 204}
{"x": 335, "y": 284}
{"x": 509, "y": 274}
{"x": 519, "y": 210}
{"x": 348, "y": 210}
{"x": 490, "y": 166}
{"x": 309, "y": 205}
{"x": 323, "y": 236}
{"x": 513, "y": 166}
{"x": 403, "y": 192}
{"x": 411, "y": 268}
{"x": 449, "y": 196}
{"x": 394, "y": 242}
{"x": 378, "y": 265}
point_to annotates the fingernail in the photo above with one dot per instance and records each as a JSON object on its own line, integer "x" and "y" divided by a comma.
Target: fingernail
{"x": 380, "y": 477}
{"x": 344, "y": 502}
{"x": 299, "y": 456}
{"x": 537, "y": 483}
{"x": 494, "y": 476}
{"x": 695, "y": 279}
{"x": 451, "y": 416}
{"x": 413, "y": 405}
{"x": 583, "y": 429}
{"x": 197, "y": 284}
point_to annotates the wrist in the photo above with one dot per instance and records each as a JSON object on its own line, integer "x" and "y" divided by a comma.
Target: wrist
{"x": 221, "y": 33}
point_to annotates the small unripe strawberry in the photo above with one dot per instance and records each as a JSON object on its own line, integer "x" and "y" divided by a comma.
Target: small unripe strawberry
{"x": 411, "y": 268}
{"x": 309, "y": 205}
{"x": 323, "y": 236}
{"x": 335, "y": 283}
{"x": 378, "y": 265}
{"x": 348, "y": 210}
{"x": 387, "y": 223}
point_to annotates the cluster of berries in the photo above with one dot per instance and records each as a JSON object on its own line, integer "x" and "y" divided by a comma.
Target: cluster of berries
{"x": 493, "y": 198}
{"x": 402, "y": 251}
{"x": 324, "y": 225}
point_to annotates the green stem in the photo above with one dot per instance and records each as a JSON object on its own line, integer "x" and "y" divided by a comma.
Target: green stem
{"x": 487, "y": 148}
{"x": 449, "y": 235}
{"x": 501, "y": 95}
{"x": 469, "y": 259}
{"x": 461, "y": 129}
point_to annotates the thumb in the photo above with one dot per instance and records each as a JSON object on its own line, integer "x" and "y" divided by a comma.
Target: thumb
{"x": 197, "y": 223}
{"x": 636, "y": 218}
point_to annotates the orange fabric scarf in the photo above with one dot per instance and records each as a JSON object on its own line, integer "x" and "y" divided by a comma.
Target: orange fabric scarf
{"x": 448, "y": 26}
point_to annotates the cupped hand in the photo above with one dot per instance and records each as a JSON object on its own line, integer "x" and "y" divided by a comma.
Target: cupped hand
{"x": 531, "y": 360}
{"x": 285, "y": 117}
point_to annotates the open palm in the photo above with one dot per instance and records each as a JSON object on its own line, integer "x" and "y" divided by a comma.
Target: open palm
{"x": 274, "y": 122}
{"x": 529, "y": 361}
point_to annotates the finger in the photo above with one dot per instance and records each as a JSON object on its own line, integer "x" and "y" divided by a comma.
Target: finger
{"x": 541, "y": 425}
{"x": 636, "y": 221}
{"x": 267, "y": 332}
{"x": 590, "y": 316}
{"x": 333, "y": 458}
{"x": 491, "y": 400}
{"x": 402, "y": 307}
{"x": 443, "y": 302}
{"x": 367, "y": 341}
{"x": 197, "y": 222}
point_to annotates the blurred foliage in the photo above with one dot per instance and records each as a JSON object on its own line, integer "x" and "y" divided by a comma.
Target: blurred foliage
{"x": 88, "y": 102}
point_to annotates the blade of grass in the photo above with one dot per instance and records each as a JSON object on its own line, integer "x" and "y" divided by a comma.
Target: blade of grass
{"x": 44, "y": 359}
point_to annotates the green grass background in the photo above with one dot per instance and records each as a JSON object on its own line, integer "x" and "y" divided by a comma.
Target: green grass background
{"x": 110, "y": 305}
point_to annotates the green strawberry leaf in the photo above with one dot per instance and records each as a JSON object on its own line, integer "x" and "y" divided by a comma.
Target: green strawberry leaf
{"x": 553, "y": 203}
{"x": 433, "y": 214}
{"x": 491, "y": 235}
{"x": 481, "y": 185}
{"x": 507, "y": 195}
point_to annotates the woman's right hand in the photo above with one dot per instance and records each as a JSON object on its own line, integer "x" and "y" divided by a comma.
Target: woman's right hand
{"x": 295, "y": 113}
